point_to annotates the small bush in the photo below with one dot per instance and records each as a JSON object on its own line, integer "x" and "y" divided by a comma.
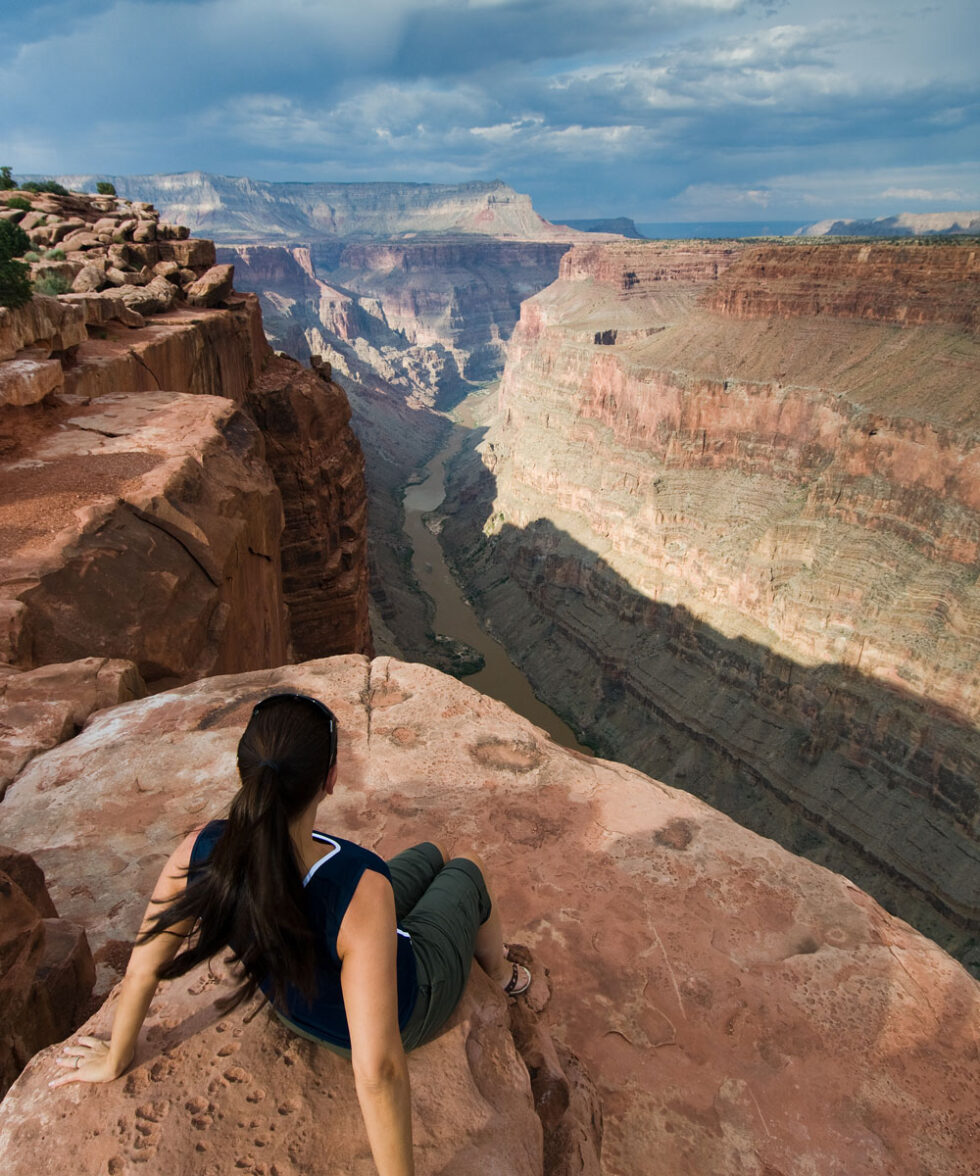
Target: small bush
{"x": 52, "y": 284}
{"x": 13, "y": 240}
{"x": 30, "y": 255}
{"x": 15, "y": 283}
{"x": 51, "y": 186}
{"x": 6, "y": 180}
{"x": 54, "y": 255}
{"x": 104, "y": 188}
{"x": 20, "y": 202}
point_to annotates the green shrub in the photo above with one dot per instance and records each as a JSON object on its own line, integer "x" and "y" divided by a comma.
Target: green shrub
{"x": 6, "y": 180}
{"x": 30, "y": 255}
{"x": 13, "y": 240}
{"x": 15, "y": 283}
{"x": 52, "y": 284}
{"x": 20, "y": 202}
{"x": 51, "y": 186}
{"x": 54, "y": 255}
{"x": 104, "y": 188}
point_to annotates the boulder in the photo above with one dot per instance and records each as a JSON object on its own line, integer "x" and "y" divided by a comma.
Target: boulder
{"x": 43, "y": 707}
{"x": 46, "y": 968}
{"x": 145, "y": 526}
{"x": 80, "y": 239}
{"x": 29, "y": 380}
{"x": 740, "y": 1009}
{"x": 213, "y": 287}
{"x": 191, "y": 253}
{"x": 105, "y": 307}
{"x": 46, "y": 323}
{"x": 156, "y": 297}
{"x": 89, "y": 278}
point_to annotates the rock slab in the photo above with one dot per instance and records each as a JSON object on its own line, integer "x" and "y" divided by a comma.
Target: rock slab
{"x": 710, "y": 982}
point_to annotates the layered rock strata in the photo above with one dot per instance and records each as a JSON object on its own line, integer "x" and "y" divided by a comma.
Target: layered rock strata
{"x": 61, "y": 354}
{"x": 708, "y": 980}
{"x": 727, "y": 519}
{"x": 154, "y": 509}
{"x": 232, "y": 208}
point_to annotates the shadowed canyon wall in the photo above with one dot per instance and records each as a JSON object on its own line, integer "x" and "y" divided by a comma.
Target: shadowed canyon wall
{"x": 727, "y": 517}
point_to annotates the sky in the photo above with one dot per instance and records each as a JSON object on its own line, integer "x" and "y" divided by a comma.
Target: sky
{"x": 663, "y": 110}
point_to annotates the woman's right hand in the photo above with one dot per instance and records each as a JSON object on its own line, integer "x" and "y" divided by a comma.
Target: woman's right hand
{"x": 87, "y": 1060}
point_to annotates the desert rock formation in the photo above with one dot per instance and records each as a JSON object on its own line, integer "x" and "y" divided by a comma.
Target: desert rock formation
{"x": 727, "y": 518}
{"x": 904, "y": 224}
{"x": 46, "y": 967}
{"x": 409, "y": 291}
{"x": 709, "y": 981}
{"x": 230, "y": 208}
{"x": 136, "y": 480}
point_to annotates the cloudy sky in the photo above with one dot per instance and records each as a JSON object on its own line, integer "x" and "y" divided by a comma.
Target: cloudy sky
{"x": 656, "y": 109}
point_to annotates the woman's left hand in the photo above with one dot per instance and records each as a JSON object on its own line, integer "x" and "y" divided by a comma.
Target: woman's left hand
{"x": 87, "y": 1060}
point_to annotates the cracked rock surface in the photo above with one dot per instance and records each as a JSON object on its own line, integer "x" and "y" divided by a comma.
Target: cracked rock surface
{"x": 737, "y": 1008}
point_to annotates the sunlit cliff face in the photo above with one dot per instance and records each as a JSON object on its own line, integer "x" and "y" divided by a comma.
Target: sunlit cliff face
{"x": 734, "y": 489}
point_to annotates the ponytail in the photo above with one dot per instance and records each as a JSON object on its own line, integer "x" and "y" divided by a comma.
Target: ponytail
{"x": 249, "y": 892}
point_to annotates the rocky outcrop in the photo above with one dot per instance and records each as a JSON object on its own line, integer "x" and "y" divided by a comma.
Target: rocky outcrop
{"x": 706, "y": 979}
{"x": 208, "y": 1093}
{"x": 42, "y": 708}
{"x": 727, "y": 520}
{"x": 319, "y": 467}
{"x": 64, "y": 354}
{"x": 145, "y": 526}
{"x": 46, "y": 968}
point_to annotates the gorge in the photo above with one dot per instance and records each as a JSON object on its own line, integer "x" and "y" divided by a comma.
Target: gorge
{"x": 184, "y": 523}
{"x": 712, "y": 461}
{"x": 726, "y": 517}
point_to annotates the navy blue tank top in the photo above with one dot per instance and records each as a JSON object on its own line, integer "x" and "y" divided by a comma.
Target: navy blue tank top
{"x": 328, "y": 888}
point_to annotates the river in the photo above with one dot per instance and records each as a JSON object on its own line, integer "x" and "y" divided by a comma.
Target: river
{"x": 455, "y": 617}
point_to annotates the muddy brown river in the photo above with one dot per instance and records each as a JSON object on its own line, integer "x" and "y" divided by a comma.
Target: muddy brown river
{"x": 455, "y": 617}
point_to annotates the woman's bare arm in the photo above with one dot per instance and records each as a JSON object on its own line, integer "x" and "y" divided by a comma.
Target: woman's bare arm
{"x": 367, "y": 946}
{"x": 101, "y": 1061}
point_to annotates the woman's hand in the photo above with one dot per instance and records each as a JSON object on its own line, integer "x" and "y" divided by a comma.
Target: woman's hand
{"x": 87, "y": 1060}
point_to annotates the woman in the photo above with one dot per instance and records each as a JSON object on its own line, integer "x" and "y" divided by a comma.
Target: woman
{"x": 367, "y": 957}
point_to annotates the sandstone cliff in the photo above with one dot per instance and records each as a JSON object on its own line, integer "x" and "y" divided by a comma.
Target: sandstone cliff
{"x": 727, "y": 518}
{"x": 409, "y": 292}
{"x": 136, "y": 483}
{"x": 235, "y": 208}
{"x": 738, "y": 1009}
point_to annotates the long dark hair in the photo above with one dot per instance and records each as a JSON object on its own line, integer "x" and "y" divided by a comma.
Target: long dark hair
{"x": 249, "y": 892}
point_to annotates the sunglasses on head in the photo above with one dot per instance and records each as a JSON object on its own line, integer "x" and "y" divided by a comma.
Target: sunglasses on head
{"x": 306, "y": 699}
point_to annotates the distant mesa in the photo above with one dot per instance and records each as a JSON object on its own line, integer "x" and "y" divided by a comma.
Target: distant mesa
{"x": 243, "y": 210}
{"x": 905, "y": 224}
{"x": 622, "y": 225}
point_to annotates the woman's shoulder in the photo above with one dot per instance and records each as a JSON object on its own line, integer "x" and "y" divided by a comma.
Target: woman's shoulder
{"x": 204, "y": 840}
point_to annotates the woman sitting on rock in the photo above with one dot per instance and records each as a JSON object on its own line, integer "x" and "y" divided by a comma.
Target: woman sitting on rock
{"x": 365, "y": 957}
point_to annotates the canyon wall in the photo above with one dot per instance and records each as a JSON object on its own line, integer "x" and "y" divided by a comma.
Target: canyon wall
{"x": 727, "y": 517}
{"x": 236, "y": 208}
{"x": 408, "y": 327}
{"x": 151, "y": 444}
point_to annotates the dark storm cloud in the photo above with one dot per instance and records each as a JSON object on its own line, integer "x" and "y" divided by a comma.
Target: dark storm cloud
{"x": 686, "y": 107}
